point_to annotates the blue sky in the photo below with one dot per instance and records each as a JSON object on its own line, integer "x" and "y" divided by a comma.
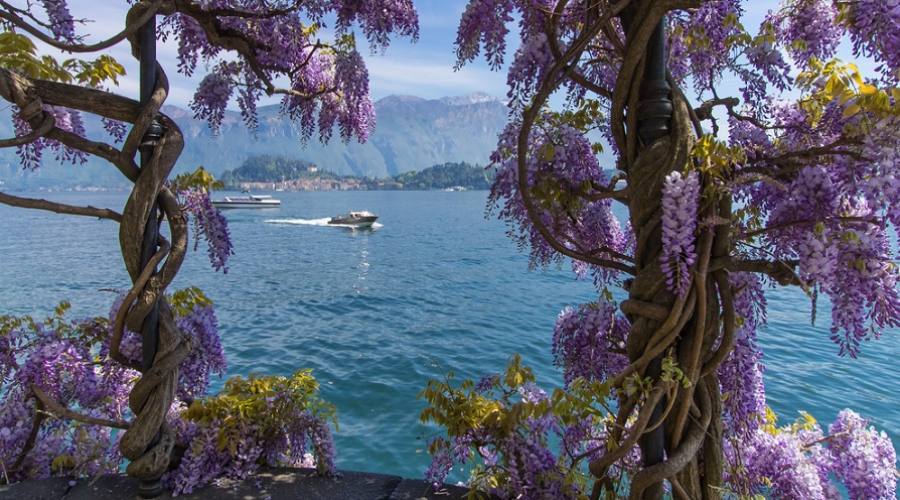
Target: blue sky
{"x": 424, "y": 68}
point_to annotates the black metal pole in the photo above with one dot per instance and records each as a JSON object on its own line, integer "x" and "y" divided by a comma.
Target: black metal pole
{"x": 150, "y": 328}
{"x": 654, "y": 116}
{"x": 655, "y": 106}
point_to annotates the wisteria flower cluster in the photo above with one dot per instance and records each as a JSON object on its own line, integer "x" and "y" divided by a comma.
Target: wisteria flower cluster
{"x": 563, "y": 171}
{"x": 589, "y": 342}
{"x": 63, "y": 364}
{"x": 209, "y": 224}
{"x": 874, "y": 27}
{"x": 680, "y": 201}
{"x": 741, "y": 374}
{"x": 327, "y": 80}
{"x": 193, "y": 190}
{"x": 55, "y": 357}
{"x": 62, "y": 24}
{"x": 799, "y": 460}
{"x": 31, "y": 154}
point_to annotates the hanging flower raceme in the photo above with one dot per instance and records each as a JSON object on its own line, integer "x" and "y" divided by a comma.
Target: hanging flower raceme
{"x": 711, "y": 31}
{"x": 212, "y": 96}
{"x": 484, "y": 23}
{"x": 589, "y": 342}
{"x": 563, "y": 172}
{"x": 328, "y": 82}
{"x": 862, "y": 458}
{"x": 874, "y": 27}
{"x": 808, "y": 29}
{"x": 680, "y": 202}
{"x": 31, "y": 154}
{"x": 62, "y": 24}
{"x": 741, "y": 373}
{"x": 209, "y": 224}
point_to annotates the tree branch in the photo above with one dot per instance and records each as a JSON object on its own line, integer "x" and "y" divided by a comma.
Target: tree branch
{"x": 149, "y": 10}
{"x": 782, "y": 271}
{"x": 784, "y": 225}
{"x": 32, "y": 435}
{"x": 46, "y": 126}
{"x": 61, "y": 411}
{"x": 60, "y": 208}
{"x": 127, "y": 301}
{"x": 529, "y": 116}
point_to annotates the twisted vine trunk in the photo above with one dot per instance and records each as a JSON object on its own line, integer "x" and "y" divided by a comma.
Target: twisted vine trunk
{"x": 678, "y": 428}
{"x": 682, "y": 441}
{"x": 147, "y": 442}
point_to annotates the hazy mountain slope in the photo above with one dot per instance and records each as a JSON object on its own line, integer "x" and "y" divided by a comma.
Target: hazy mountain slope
{"x": 411, "y": 133}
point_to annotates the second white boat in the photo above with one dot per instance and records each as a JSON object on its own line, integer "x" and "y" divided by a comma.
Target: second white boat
{"x": 249, "y": 201}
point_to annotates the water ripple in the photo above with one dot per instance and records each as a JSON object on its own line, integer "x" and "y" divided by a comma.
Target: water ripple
{"x": 377, "y": 313}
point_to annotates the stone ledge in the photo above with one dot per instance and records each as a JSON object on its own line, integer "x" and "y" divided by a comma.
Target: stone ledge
{"x": 267, "y": 484}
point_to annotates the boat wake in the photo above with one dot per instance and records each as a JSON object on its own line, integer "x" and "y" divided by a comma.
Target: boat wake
{"x": 316, "y": 222}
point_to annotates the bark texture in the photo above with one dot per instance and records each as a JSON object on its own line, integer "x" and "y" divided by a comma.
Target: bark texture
{"x": 147, "y": 441}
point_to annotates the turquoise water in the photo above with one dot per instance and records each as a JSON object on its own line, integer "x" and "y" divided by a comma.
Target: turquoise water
{"x": 437, "y": 288}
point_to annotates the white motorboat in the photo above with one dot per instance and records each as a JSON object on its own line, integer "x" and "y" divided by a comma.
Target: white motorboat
{"x": 354, "y": 219}
{"x": 248, "y": 201}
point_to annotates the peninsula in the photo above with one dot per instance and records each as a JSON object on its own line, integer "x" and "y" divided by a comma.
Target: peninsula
{"x": 267, "y": 172}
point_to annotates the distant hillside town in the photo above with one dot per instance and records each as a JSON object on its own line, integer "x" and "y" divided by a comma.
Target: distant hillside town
{"x": 278, "y": 173}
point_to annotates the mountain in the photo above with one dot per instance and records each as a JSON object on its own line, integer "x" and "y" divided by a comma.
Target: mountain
{"x": 411, "y": 133}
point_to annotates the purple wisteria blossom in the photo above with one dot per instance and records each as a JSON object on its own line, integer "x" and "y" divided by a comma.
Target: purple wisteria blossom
{"x": 484, "y": 23}
{"x": 210, "y": 224}
{"x": 589, "y": 342}
{"x": 741, "y": 374}
{"x": 207, "y": 356}
{"x": 116, "y": 129}
{"x": 212, "y": 97}
{"x": 874, "y": 27}
{"x": 808, "y": 29}
{"x": 864, "y": 459}
{"x": 327, "y": 86}
{"x": 565, "y": 165}
{"x": 62, "y": 24}
{"x": 680, "y": 201}
{"x": 31, "y": 154}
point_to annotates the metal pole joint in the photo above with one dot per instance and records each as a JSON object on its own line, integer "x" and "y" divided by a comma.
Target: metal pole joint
{"x": 153, "y": 134}
{"x": 655, "y": 108}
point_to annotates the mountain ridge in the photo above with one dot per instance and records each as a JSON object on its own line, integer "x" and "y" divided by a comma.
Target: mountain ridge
{"x": 411, "y": 133}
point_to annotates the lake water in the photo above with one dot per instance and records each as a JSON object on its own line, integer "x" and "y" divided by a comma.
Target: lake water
{"x": 376, "y": 314}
